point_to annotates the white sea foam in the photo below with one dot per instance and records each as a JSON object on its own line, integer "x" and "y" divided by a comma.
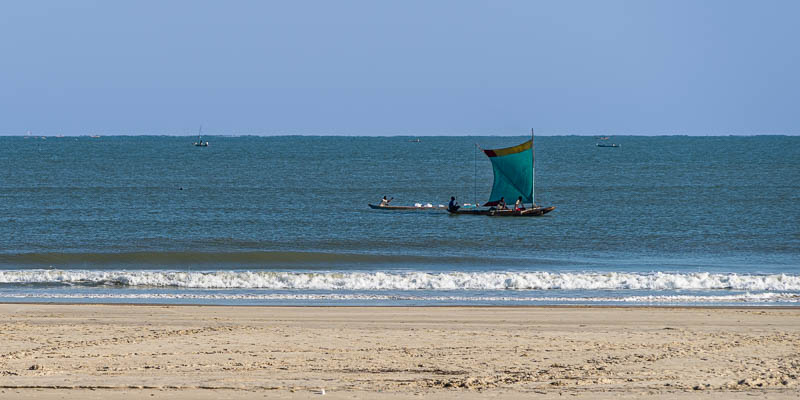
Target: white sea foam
{"x": 410, "y": 280}
{"x": 658, "y": 299}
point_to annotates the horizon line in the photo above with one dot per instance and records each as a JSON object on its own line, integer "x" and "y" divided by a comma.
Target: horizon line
{"x": 95, "y": 135}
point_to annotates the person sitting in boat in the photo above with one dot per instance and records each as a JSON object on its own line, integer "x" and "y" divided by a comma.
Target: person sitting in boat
{"x": 385, "y": 202}
{"x": 501, "y": 204}
{"x": 519, "y": 206}
{"x": 453, "y": 205}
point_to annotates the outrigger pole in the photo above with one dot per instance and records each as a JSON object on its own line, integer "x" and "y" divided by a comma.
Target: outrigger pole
{"x": 533, "y": 171}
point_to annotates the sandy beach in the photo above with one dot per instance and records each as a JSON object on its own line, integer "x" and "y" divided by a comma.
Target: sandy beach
{"x": 133, "y": 351}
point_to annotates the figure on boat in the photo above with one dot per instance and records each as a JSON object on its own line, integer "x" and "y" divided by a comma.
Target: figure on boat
{"x": 453, "y": 205}
{"x": 501, "y": 204}
{"x": 519, "y": 205}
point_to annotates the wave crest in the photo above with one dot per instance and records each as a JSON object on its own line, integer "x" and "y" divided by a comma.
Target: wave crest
{"x": 408, "y": 280}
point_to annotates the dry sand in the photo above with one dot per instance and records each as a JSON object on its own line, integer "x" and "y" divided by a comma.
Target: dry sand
{"x": 53, "y": 351}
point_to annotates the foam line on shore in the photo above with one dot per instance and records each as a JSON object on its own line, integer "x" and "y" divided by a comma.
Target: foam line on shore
{"x": 649, "y": 299}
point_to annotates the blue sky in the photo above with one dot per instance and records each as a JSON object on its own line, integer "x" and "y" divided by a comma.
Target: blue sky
{"x": 403, "y": 67}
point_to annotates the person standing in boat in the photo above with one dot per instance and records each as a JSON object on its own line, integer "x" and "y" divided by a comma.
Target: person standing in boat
{"x": 453, "y": 205}
{"x": 385, "y": 202}
{"x": 519, "y": 206}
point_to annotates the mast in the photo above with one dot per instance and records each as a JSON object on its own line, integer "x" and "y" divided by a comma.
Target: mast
{"x": 533, "y": 170}
{"x": 475, "y": 175}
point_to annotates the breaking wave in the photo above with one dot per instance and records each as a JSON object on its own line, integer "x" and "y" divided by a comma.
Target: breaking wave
{"x": 377, "y": 281}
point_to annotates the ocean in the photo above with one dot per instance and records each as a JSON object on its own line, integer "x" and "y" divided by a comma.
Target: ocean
{"x": 668, "y": 220}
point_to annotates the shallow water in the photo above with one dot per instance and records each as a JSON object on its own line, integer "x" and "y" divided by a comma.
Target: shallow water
{"x": 284, "y": 220}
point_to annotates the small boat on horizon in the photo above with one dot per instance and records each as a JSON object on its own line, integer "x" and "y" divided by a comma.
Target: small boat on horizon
{"x": 200, "y": 142}
{"x": 608, "y": 145}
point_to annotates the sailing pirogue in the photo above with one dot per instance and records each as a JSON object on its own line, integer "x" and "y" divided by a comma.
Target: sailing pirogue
{"x": 514, "y": 169}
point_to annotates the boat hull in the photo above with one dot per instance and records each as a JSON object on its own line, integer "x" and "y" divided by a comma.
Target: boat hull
{"x": 532, "y": 212}
{"x": 403, "y": 208}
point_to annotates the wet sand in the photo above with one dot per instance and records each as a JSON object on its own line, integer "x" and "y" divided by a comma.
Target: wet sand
{"x": 182, "y": 352}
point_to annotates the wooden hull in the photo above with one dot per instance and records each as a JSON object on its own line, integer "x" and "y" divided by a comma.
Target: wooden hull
{"x": 403, "y": 208}
{"x": 532, "y": 212}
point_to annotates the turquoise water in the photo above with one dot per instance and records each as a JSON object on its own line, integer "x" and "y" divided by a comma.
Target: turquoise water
{"x": 284, "y": 220}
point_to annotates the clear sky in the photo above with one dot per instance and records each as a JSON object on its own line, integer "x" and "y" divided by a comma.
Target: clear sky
{"x": 400, "y": 67}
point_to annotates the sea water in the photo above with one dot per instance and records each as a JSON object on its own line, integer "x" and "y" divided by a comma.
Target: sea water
{"x": 284, "y": 220}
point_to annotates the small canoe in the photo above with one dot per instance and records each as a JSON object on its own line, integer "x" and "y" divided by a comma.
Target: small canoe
{"x": 403, "y": 208}
{"x": 608, "y": 145}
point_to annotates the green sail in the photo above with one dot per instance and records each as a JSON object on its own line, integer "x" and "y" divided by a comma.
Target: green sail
{"x": 513, "y": 173}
